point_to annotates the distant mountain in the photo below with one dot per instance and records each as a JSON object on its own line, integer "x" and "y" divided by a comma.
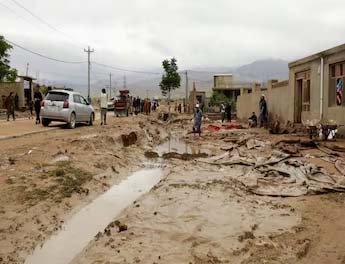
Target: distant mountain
{"x": 259, "y": 71}
{"x": 140, "y": 85}
{"x": 263, "y": 70}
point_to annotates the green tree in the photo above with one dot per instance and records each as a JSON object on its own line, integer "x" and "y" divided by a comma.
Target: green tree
{"x": 171, "y": 79}
{"x": 6, "y": 73}
{"x": 217, "y": 98}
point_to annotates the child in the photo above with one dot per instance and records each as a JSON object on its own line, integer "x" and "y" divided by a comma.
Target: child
{"x": 253, "y": 120}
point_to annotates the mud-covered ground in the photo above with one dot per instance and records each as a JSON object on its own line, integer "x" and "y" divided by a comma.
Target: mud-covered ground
{"x": 202, "y": 211}
{"x": 45, "y": 178}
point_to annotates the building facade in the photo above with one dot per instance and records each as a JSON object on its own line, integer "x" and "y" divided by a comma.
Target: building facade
{"x": 314, "y": 92}
{"x": 225, "y": 84}
{"x": 318, "y": 87}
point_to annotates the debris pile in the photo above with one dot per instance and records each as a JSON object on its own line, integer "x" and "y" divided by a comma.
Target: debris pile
{"x": 278, "y": 173}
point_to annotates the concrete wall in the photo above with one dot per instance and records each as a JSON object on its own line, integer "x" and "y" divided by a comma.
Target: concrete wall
{"x": 223, "y": 81}
{"x": 15, "y": 87}
{"x": 279, "y": 102}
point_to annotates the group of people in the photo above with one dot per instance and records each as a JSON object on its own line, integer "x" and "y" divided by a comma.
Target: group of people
{"x": 226, "y": 112}
{"x": 263, "y": 117}
{"x": 135, "y": 105}
{"x": 12, "y": 104}
{"x": 145, "y": 106}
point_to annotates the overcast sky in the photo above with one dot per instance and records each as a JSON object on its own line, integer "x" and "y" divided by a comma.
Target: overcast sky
{"x": 139, "y": 34}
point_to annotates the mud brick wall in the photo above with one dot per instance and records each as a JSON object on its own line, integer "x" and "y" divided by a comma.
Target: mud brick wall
{"x": 280, "y": 102}
{"x": 15, "y": 87}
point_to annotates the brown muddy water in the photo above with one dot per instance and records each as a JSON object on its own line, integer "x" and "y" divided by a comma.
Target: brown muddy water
{"x": 179, "y": 145}
{"x": 83, "y": 226}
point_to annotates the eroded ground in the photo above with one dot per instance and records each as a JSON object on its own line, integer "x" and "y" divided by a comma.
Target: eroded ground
{"x": 233, "y": 196}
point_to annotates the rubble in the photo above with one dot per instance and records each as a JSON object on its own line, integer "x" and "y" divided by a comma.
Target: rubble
{"x": 129, "y": 139}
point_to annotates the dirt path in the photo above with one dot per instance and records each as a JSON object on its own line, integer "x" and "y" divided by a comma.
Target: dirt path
{"x": 200, "y": 212}
{"x": 47, "y": 177}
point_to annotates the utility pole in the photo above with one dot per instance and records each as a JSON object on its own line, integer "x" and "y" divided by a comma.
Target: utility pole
{"x": 37, "y": 76}
{"x": 114, "y": 89}
{"x": 124, "y": 82}
{"x": 27, "y": 69}
{"x": 187, "y": 92}
{"x": 110, "y": 86}
{"x": 89, "y": 51}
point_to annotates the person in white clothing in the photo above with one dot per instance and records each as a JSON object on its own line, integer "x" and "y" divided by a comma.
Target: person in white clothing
{"x": 104, "y": 107}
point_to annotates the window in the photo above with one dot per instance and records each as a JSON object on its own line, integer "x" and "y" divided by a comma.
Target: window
{"x": 76, "y": 98}
{"x": 83, "y": 101}
{"x": 57, "y": 96}
{"x": 336, "y": 84}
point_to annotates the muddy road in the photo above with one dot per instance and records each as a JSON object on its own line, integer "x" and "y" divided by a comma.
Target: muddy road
{"x": 232, "y": 196}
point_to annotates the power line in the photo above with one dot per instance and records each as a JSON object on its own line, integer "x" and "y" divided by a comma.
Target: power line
{"x": 46, "y": 23}
{"x": 19, "y": 16}
{"x": 125, "y": 70}
{"x": 44, "y": 56}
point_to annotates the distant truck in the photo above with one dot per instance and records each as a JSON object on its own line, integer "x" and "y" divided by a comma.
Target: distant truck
{"x": 121, "y": 104}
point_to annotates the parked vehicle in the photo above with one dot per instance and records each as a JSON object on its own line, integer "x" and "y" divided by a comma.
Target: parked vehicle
{"x": 66, "y": 106}
{"x": 111, "y": 103}
{"x": 122, "y": 104}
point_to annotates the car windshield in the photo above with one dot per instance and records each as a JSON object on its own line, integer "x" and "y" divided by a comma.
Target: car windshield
{"x": 57, "y": 96}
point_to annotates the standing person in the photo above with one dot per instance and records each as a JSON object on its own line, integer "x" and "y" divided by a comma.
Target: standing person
{"x": 179, "y": 108}
{"x": 222, "y": 110}
{"x": 149, "y": 106}
{"x": 104, "y": 107}
{"x": 16, "y": 101}
{"x": 142, "y": 102}
{"x": 131, "y": 105}
{"x": 31, "y": 107}
{"x": 228, "y": 112}
{"x": 10, "y": 107}
{"x": 263, "y": 111}
{"x": 197, "y": 120}
{"x": 38, "y": 99}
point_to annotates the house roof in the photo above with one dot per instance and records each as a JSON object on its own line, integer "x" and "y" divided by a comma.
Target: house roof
{"x": 223, "y": 74}
{"x": 26, "y": 78}
{"x": 316, "y": 56}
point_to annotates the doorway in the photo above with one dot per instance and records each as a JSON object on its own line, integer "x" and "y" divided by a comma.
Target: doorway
{"x": 299, "y": 93}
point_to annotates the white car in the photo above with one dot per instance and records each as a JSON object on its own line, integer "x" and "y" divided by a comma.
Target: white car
{"x": 66, "y": 106}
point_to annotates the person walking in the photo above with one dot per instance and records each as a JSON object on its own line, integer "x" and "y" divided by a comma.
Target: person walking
{"x": 38, "y": 100}
{"x": 10, "y": 107}
{"x": 222, "y": 110}
{"x": 263, "y": 111}
{"x": 16, "y": 101}
{"x": 197, "y": 119}
{"x": 228, "y": 112}
{"x": 104, "y": 107}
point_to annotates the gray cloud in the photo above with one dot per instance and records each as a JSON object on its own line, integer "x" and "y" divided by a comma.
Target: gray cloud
{"x": 139, "y": 34}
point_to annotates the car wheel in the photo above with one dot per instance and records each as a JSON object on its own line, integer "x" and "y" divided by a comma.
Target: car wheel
{"x": 92, "y": 118}
{"x": 45, "y": 122}
{"x": 72, "y": 121}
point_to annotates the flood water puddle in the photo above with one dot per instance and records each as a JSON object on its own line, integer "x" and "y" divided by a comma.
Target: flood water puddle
{"x": 83, "y": 226}
{"x": 179, "y": 145}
